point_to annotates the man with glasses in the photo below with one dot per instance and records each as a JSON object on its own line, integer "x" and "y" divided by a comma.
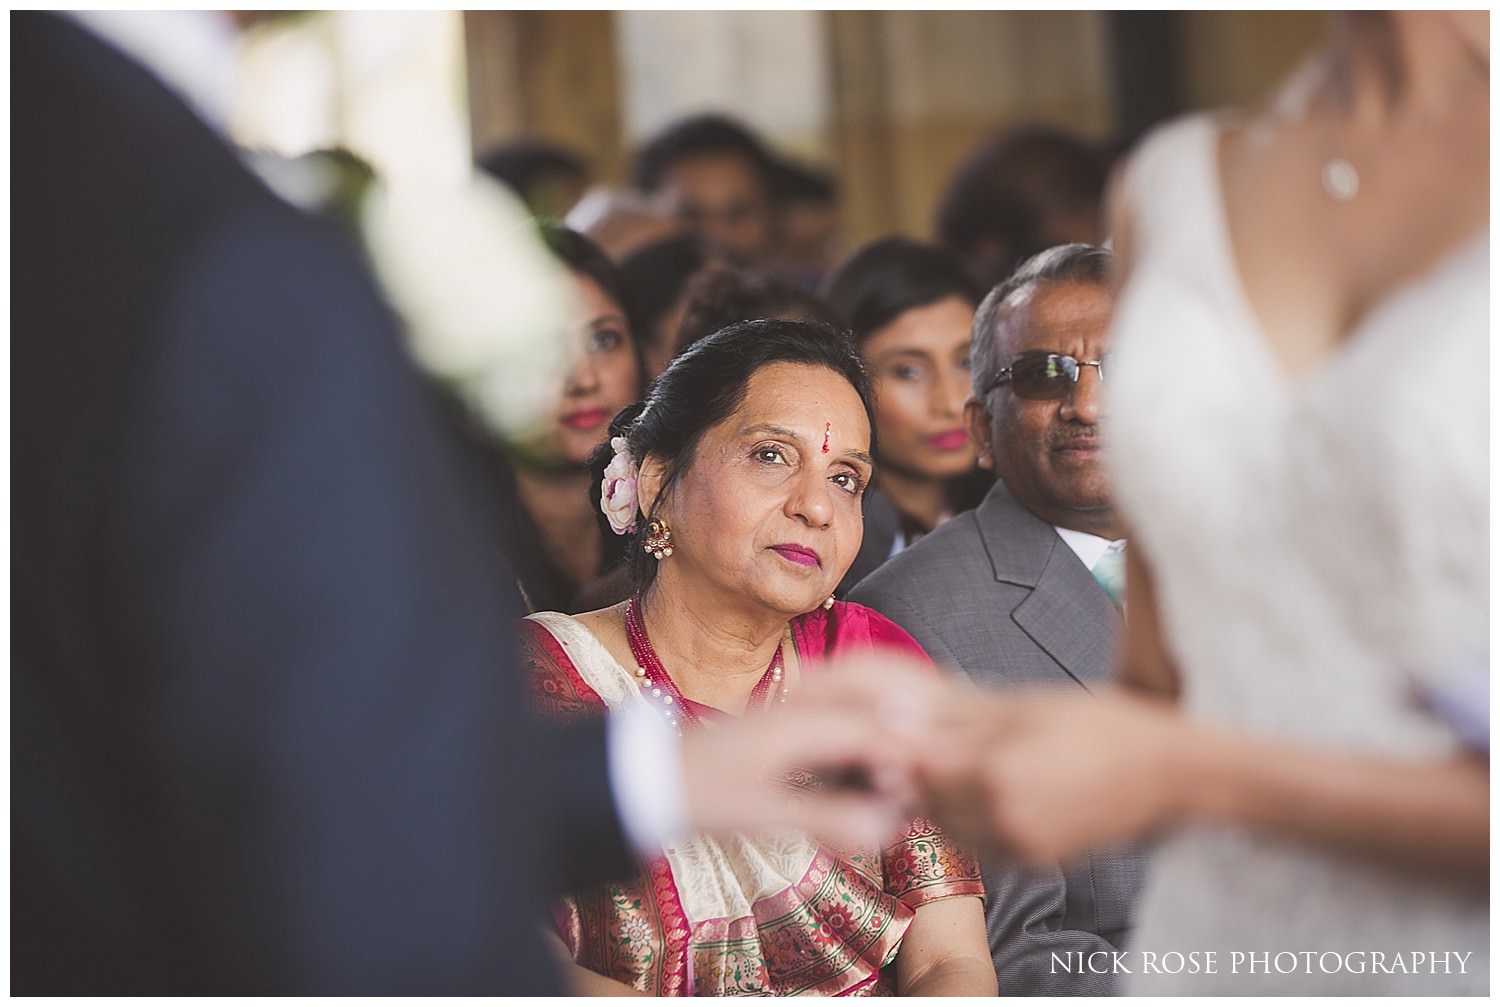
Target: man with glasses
{"x": 1025, "y": 588}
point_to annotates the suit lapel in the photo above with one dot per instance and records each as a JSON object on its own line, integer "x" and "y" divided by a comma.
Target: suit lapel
{"x": 1066, "y": 613}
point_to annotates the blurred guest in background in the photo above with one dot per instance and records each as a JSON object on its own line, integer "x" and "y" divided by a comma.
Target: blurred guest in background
{"x": 548, "y": 177}
{"x": 559, "y": 548}
{"x": 806, "y": 224}
{"x": 911, "y": 308}
{"x": 736, "y": 484}
{"x": 721, "y": 295}
{"x": 655, "y": 281}
{"x": 1297, "y": 440}
{"x": 1023, "y": 190}
{"x": 715, "y": 177}
{"x": 263, "y": 688}
{"x": 621, "y": 221}
{"x": 1017, "y": 591}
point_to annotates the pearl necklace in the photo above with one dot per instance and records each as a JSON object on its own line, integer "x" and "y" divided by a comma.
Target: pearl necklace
{"x": 1340, "y": 180}
{"x": 658, "y": 688}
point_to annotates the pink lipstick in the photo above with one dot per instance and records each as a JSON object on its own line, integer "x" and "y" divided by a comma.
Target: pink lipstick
{"x": 585, "y": 419}
{"x": 950, "y": 440}
{"x": 801, "y": 555}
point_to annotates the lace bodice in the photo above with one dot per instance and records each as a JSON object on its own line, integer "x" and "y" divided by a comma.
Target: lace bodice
{"x": 1321, "y": 547}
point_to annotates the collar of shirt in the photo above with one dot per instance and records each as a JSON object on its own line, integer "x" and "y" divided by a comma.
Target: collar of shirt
{"x": 1090, "y": 549}
{"x": 191, "y": 52}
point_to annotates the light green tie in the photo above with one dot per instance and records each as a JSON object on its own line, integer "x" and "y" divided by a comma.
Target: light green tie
{"x": 1110, "y": 573}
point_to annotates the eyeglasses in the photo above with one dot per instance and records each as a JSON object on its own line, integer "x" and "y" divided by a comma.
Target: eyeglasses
{"x": 1043, "y": 376}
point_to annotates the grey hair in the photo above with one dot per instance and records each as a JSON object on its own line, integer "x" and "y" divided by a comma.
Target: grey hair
{"x": 1076, "y": 263}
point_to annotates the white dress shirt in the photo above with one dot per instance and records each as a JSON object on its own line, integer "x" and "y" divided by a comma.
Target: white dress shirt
{"x": 645, "y": 776}
{"x": 1090, "y": 548}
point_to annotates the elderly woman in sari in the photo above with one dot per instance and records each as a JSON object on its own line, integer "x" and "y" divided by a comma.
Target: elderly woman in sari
{"x": 739, "y": 482}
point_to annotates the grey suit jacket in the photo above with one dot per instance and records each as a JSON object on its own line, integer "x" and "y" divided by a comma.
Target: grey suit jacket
{"x": 995, "y": 592}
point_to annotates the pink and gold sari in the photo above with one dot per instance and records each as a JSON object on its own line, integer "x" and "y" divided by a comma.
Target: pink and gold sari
{"x": 771, "y": 914}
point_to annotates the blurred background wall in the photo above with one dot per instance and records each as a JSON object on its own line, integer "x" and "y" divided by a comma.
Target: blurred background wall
{"x": 888, "y": 101}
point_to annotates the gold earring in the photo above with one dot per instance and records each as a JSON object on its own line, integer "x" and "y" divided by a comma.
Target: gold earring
{"x": 658, "y": 541}
{"x": 828, "y": 603}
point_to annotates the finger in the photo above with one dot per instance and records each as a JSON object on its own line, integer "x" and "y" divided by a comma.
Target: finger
{"x": 755, "y": 755}
{"x": 849, "y": 822}
{"x": 891, "y": 683}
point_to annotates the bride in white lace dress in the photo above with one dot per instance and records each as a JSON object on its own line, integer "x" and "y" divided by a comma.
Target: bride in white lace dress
{"x": 1298, "y": 413}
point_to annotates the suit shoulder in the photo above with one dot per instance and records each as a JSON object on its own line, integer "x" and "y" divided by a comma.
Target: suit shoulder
{"x": 957, "y": 541}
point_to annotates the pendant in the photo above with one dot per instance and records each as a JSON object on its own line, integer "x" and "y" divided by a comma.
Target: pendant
{"x": 1340, "y": 180}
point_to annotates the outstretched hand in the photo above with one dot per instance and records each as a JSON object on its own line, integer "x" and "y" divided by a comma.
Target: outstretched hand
{"x": 848, "y": 730}
{"x": 1041, "y": 775}
{"x": 1032, "y": 774}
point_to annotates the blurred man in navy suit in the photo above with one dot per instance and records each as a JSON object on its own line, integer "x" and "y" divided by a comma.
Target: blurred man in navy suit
{"x": 264, "y": 708}
{"x": 267, "y": 729}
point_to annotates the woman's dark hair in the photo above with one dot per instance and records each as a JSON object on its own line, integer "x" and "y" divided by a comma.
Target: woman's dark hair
{"x": 721, "y": 295}
{"x": 703, "y": 386}
{"x": 655, "y": 278}
{"x": 581, "y": 255}
{"x": 889, "y": 277}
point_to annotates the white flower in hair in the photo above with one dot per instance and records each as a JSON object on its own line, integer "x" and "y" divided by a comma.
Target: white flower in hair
{"x": 617, "y": 498}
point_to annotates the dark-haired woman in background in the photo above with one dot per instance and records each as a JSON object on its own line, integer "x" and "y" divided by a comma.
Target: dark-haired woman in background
{"x": 559, "y": 548}
{"x": 723, "y": 294}
{"x": 655, "y": 281}
{"x": 737, "y": 485}
{"x": 911, "y": 307}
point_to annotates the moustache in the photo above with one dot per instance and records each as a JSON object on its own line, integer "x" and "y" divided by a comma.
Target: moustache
{"x": 1075, "y": 437}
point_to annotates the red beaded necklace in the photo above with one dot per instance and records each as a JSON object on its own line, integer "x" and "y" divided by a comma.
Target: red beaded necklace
{"x": 658, "y": 688}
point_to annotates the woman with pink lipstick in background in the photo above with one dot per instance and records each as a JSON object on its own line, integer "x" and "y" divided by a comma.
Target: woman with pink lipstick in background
{"x": 911, "y": 307}
{"x": 737, "y": 486}
{"x": 560, "y": 548}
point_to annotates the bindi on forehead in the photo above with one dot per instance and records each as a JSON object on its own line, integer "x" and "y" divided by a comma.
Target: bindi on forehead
{"x": 827, "y": 430}
{"x": 793, "y": 399}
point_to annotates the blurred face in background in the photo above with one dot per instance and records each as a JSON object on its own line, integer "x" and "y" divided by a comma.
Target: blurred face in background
{"x": 806, "y": 236}
{"x": 723, "y": 198}
{"x": 602, "y": 377}
{"x": 919, "y": 364}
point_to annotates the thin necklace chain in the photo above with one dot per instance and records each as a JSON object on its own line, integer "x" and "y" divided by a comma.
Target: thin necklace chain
{"x": 656, "y": 684}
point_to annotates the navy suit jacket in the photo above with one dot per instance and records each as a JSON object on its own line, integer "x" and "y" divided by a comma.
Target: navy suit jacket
{"x": 264, "y": 701}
